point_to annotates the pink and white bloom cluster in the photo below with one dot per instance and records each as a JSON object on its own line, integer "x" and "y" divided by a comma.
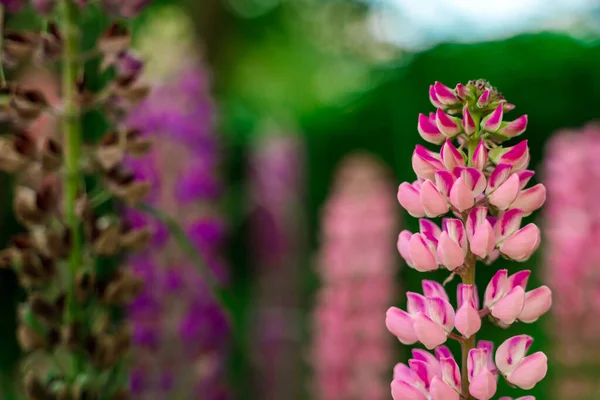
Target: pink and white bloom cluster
{"x": 483, "y": 185}
{"x": 352, "y": 351}
{"x": 572, "y": 256}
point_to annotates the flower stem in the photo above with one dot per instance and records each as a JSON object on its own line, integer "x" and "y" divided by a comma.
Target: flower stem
{"x": 71, "y": 127}
{"x": 468, "y": 278}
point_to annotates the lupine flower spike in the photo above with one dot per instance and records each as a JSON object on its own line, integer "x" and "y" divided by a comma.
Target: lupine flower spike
{"x": 572, "y": 226}
{"x": 351, "y": 355}
{"x": 478, "y": 187}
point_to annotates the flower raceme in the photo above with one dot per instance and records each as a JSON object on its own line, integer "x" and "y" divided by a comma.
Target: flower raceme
{"x": 430, "y": 318}
{"x": 479, "y": 188}
{"x": 437, "y": 377}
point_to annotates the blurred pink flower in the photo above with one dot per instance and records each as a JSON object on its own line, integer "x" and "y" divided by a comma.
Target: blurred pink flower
{"x": 351, "y": 355}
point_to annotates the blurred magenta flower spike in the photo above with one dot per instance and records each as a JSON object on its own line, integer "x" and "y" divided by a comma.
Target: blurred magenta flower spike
{"x": 179, "y": 331}
{"x": 351, "y": 353}
{"x": 277, "y": 243}
{"x": 478, "y": 187}
{"x": 572, "y": 258}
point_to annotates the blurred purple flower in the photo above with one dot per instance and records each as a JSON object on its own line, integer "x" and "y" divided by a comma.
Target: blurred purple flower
{"x": 177, "y": 325}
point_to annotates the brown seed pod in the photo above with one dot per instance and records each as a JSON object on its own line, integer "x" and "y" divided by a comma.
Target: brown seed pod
{"x": 70, "y": 335}
{"x": 32, "y": 207}
{"x": 105, "y": 237}
{"x": 113, "y": 41}
{"x": 52, "y": 155}
{"x": 137, "y": 145}
{"x": 105, "y": 352}
{"x": 33, "y": 270}
{"x": 16, "y": 152}
{"x": 110, "y": 151}
{"x": 29, "y": 103}
{"x": 50, "y": 46}
{"x": 136, "y": 239}
{"x": 122, "y": 289}
{"x": 34, "y": 389}
{"x": 51, "y": 243}
{"x": 124, "y": 185}
{"x": 43, "y": 309}
{"x": 18, "y": 46}
{"x": 84, "y": 285}
{"x": 30, "y": 339}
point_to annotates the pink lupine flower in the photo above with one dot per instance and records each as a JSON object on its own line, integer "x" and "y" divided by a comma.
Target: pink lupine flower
{"x": 427, "y": 377}
{"x": 520, "y": 370}
{"x": 350, "y": 353}
{"x": 484, "y": 186}
{"x": 572, "y": 256}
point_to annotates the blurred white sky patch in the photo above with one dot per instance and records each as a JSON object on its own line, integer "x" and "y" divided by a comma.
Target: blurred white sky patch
{"x": 419, "y": 24}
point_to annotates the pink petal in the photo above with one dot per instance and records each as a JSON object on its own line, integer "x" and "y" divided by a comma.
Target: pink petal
{"x": 484, "y": 240}
{"x": 433, "y": 202}
{"x": 504, "y": 195}
{"x": 441, "y": 312}
{"x": 434, "y": 289}
{"x": 415, "y": 303}
{"x": 400, "y": 324}
{"x": 445, "y": 94}
{"x": 508, "y": 224}
{"x": 421, "y": 254}
{"x": 429, "y": 130}
{"x": 517, "y": 156}
{"x": 456, "y": 231}
{"x": 524, "y": 177}
{"x": 498, "y": 177}
{"x": 529, "y": 371}
{"x": 514, "y": 128}
{"x": 467, "y": 320}
{"x": 433, "y": 97}
{"x": 480, "y": 156}
{"x": 449, "y": 253}
{"x": 519, "y": 278}
{"x": 537, "y": 303}
{"x": 461, "y": 91}
{"x": 429, "y": 229}
{"x": 461, "y": 196}
{"x": 425, "y": 162}
{"x": 428, "y": 358}
{"x": 403, "y": 240}
{"x": 472, "y": 177}
{"x": 425, "y": 371}
{"x": 442, "y": 352}
{"x": 409, "y": 197}
{"x": 511, "y": 352}
{"x": 521, "y": 245}
{"x": 449, "y": 126}
{"x": 465, "y": 293}
{"x": 403, "y": 373}
{"x": 450, "y": 156}
{"x": 444, "y": 181}
{"x": 450, "y": 372}
{"x": 483, "y": 385}
{"x": 428, "y": 332}
{"x": 530, "y": 199}
{"x": 496, "y": 288}
{"x": 492, "y": 122}
{"x": 484, "y": 99}
{"x": 508, "y": 308}
{"x": 405, "y": 391}
{"x": 439, "y": 390}
{"x": 475, "y": 218}
{"x": 468, "y": 122}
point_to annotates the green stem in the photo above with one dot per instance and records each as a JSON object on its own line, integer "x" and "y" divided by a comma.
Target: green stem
{"x": 468, "y": 278}
{"x": 71, "y": 126}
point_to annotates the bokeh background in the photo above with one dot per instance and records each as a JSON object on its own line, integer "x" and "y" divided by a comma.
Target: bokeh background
{"x": 327, "y": 79}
